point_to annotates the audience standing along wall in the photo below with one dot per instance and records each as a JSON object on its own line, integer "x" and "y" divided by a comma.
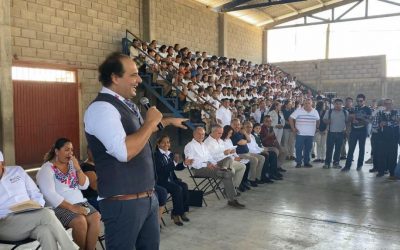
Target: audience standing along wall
{"x": 346, "y": 76}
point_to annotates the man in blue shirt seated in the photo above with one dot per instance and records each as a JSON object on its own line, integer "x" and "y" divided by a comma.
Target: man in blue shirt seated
{"x": 240, "y": 139}
{"x": 37, "y": 223}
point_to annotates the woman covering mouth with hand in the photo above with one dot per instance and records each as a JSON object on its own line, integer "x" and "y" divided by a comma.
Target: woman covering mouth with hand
{"x": 60, "y": 179}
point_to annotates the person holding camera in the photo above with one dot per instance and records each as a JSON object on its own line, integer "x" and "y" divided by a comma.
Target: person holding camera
{"x": 359, "y": 117}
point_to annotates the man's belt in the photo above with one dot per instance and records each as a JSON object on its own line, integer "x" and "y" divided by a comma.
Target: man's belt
{"x": 125, "y": 197}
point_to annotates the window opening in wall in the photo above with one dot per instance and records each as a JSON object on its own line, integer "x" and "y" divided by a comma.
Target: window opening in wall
{"x": 43, "y": 75}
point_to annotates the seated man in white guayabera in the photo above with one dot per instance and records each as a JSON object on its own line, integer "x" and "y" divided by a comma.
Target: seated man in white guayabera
{"x": 39, "y": 223}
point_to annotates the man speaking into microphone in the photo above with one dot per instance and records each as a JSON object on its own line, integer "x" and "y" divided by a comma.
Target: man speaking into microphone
{"x": 118, "y": 138}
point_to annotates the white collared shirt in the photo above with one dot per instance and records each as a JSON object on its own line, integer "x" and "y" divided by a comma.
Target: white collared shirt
{"x": 216, "y": 148}
{"x": 54, "y": 191}
{"x": 103, "y": 121}
{"x": 166, "y": 154}
{"x": 253, "y": 146}
{"x": 1, "y": 157}
{"x": 258, "y": 114}
{"x": 16, "y": 186}
{"x": 199, "y": 153}
{"x": 225, "y": 115}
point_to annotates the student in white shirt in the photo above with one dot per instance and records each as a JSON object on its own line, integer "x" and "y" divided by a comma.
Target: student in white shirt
{"x": 304, "y": 122}
{"x": 205, "y": 166}
{"x": 261, "y": 112}
{"x": 223, "y": 114}
{"x": 15, "y": 187}
{"x": 60, "y": 179}
{"x": 219, "y": 151}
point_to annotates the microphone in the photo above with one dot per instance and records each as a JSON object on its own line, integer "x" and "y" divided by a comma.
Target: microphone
{"x": 145, "y": 103}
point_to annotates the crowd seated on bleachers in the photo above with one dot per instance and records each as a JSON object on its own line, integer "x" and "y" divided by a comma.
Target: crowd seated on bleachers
{"x": 199, "y": 79}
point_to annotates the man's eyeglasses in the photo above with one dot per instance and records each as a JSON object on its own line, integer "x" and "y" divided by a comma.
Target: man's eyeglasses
{"x": 360, "y": 100}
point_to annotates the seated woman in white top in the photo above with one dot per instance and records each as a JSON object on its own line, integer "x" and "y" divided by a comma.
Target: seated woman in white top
{"x": 60, "y": 179}
{"x": 40, "y": 224}
{"x": 226, "y": 137}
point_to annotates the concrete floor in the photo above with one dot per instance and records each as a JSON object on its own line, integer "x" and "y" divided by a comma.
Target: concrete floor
{"x": 311, "y": 209}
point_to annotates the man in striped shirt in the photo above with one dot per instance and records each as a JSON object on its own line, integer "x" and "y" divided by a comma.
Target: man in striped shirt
{"x": 304, "y": 123}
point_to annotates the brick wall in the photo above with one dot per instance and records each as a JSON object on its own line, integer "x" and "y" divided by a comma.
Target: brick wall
{"x": 244, "y": 41}
{"x": 72, "y": 32}
{"x": 393, "y": 89}
{"x": 346, "y": 76}
{"x": 80, "y": 33}
{"x": 185, "y": 22}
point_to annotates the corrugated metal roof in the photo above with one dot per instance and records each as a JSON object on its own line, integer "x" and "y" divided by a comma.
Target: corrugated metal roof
{"x": 276, "y": 14}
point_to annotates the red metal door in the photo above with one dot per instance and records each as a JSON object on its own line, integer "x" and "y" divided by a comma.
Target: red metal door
{"x": 43, "y": 112}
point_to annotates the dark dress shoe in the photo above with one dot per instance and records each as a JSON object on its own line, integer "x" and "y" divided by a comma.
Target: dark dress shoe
{"x": 253, "y": 184}
{"x": 184, "y": 218}
{"x": 277, "y": 178}
{"x": 380, "y": 174}
{"x": 260, "y": 182}
{"x": 242, "y": 189}
{"x": 359, "y": 168}
{"x": 281, "y": 170}
{"x": 236, "y": 204}
{"x": 298, "y": 166}
{"x": 345, "y": 169}
{"x": 373, "y": 170}
{"x": 308, "y": 165}
{"x": 247, "y": 187}
{"x": 177, "y": 220}
{"x": 268, "y": 180}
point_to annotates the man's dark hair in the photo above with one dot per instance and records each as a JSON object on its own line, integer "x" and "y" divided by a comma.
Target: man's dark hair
{"x": 338, "y": 100}
{"x": 112, "y": 65}
{"x": 361, "y": 96}
{"x": 349, "y": 98}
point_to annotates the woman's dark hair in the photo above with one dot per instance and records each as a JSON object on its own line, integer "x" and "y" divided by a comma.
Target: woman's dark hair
{"x": 274, "y": 105}
{"x": 227, "y": 129}
{"x": 159, "y": 140}
{"x": 112, "y": 65}
{"x": 60, "y": 142}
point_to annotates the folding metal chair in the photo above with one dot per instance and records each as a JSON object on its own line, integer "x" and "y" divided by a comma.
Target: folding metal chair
{"x": 101, "y": 239}
{"x": 206, "y": 184}
{"x": 18, "y": 243}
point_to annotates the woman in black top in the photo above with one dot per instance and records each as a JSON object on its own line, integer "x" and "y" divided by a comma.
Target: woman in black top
{"x": 90, "y": 171}
{"x": 321, "y": 134}
{"x": 165, "y": 166}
